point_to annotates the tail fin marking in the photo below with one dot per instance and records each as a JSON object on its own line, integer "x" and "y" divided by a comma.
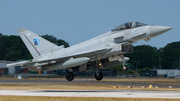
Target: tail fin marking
{"x": 36, "y": 45}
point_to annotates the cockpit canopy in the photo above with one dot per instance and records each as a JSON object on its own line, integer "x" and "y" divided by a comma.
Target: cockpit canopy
{"x": 129, "y": 25}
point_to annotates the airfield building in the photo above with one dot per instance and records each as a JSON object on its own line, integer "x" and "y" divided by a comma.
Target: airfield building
{"x": 5, "y": 70}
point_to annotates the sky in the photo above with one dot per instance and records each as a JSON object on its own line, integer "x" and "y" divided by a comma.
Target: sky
{"x": 76, "y": 21}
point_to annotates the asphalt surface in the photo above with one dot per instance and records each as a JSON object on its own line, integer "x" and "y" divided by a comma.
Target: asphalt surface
{"x": 90, "y": 81}
{"x": 95, "y": 93}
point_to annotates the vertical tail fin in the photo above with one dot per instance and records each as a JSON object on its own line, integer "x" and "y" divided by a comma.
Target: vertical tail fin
{"x": 36, "y": 45}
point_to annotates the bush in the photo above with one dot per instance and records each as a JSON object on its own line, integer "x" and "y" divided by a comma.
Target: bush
{"x": 131, "y": 72}
{"x": 120, "y": 69}
{"x": 138, "y": 70}
{"x": 146, "y": 68}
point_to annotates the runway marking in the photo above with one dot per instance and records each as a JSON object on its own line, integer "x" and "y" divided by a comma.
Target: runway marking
{"x": 95, "y": 93}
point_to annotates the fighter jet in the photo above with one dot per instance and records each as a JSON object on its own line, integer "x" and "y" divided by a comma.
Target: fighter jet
{"x": 98, "y": 53}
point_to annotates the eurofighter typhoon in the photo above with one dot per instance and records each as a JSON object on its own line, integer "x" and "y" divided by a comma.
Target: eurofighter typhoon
{"x": 98, "y": 53}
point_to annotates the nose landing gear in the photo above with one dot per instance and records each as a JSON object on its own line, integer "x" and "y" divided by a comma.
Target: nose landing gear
{"x": 125, "y": 68}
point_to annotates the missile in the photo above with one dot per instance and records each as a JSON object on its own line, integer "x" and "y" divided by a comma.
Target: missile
{"x": 67, "y": 64}
{"x": 126, "y": 59}
{"x": 17, "y": 64}
{"x": 27, "y": 64}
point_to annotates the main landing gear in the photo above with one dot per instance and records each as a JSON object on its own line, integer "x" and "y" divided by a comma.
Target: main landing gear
{"x": 70, "y": 76}
{"x": 98, "y": 65}
{"x": 99, "y": 76}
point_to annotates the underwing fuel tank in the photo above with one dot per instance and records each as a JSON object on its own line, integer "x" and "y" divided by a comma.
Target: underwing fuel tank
{"x": 67, "y": 64}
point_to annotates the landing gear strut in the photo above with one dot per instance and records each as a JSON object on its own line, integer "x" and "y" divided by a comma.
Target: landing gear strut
{"x": 70, "y": 76}
{"x": 99, "y": 76}
{"x": 125, "y": 68}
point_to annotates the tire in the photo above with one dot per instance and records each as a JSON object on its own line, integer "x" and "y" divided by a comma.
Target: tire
{"x": 99, "y": 77}
{"x": 70, "y": 76}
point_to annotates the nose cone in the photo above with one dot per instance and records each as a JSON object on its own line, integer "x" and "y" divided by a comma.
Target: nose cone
{"x": 157, "y": 30}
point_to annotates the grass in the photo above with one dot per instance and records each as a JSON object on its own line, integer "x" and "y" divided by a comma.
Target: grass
{"x": 147, "y": 80}
{"x": 90, "y": 85}
{"x": 39, "y": 98}
{"x": 54, "y": 85}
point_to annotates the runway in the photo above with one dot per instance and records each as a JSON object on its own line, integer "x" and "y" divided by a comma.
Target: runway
{"x": 90, "y": 81}
{"x": 95, "y": 93}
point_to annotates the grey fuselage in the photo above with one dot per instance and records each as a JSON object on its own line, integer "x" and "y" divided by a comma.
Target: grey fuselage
{"x": 107, "y": 40}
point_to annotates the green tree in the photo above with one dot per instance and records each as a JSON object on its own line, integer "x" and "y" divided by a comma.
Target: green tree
{"x": 150, "y": 56}
{"x": 146, "y": 68}
{"x": 12, "y": 47}
{"x": 1, "y": 34}
{"x": 56, "y": 41}
{"x": 144, "y": 53}
{"x": 170, "y": 54}
{"x": 15, "y": 48}
{"x": 3, "y": 46}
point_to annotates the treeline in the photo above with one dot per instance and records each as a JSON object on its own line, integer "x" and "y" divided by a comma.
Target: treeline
{"x": 151, "y": 57}
{"x": 12, "y": 48}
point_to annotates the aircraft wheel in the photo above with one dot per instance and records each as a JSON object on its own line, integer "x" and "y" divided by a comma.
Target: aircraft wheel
{"x": 125, "y": 68}
{"x": 70, "y": 76}
{"x": 99, "y": 77}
